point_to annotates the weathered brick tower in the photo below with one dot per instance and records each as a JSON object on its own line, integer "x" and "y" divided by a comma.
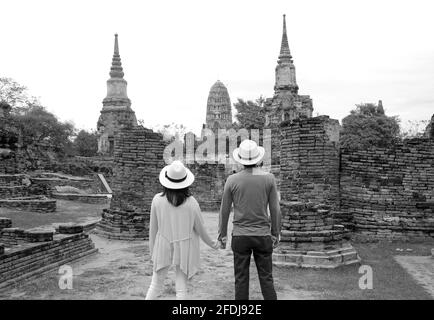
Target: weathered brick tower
{"x": 138, "y": 159}
{"x": 218, "y": 109}
{"x": 286, "y": 104}
{"x": 309, "y": 191}
{"x": 116, "y": 112}
{"x": 305, "y": 159}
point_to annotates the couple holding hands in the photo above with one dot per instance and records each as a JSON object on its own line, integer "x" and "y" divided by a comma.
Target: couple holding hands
{"x": 176, "y": 224}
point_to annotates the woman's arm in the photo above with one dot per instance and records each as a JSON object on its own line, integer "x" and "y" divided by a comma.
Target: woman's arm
{"x": 200, "y": 229}
{"x": 153, "y": 227}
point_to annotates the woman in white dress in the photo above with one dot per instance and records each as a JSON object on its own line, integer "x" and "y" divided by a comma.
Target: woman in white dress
{"x": 176, "y": 224}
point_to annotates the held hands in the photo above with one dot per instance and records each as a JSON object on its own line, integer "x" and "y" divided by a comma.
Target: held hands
{"x": 216, "y": 245}
{"x": 276, "y": 241}
{"x": 222, "y": 243}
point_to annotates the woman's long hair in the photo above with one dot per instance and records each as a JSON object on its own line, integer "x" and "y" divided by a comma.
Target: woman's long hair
{"x": 176, "y": 196}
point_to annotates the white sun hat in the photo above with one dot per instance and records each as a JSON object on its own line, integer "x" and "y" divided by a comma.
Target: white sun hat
{"x": 176, "y": 176}
{"x": 248, "y": 153}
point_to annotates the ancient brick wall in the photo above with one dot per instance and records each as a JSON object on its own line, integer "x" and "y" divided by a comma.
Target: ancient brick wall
{"x": 389, "y": 193}
{"x": 309, "y": 160}
{"x": 208, "y": 185}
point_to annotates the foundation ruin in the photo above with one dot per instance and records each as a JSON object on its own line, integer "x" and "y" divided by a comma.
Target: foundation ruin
{"x": 26, "y": 254}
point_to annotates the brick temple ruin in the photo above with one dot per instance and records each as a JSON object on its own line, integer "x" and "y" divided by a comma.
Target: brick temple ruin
{"x": 116, "y": 112}
{"x": 286, "y": 104}
{"x": 329, "y": 195}
{"x": 218, "y": 108}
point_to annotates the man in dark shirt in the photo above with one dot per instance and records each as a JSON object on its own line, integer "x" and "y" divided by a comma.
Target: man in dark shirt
{"x": 251, "y": 192}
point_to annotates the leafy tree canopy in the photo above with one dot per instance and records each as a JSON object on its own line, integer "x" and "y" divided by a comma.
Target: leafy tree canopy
{"x": 368, "y": 126}
{"x": 36, "y": 124}
{"x": 16, "y": 95}
{"x": 250, "y": 114}
{"x": 39, "y": 125}
{"x": 86, "y": 144}
{"x": 172, "y": 131}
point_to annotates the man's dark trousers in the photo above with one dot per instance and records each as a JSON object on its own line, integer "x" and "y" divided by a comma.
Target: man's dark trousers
{"x": 262, "y": 249}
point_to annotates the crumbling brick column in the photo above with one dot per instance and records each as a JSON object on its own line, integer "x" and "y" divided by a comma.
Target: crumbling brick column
{"x": 138, "y": 159}
{"x": 309, "y": 164}
{"x": 309, "y": 160}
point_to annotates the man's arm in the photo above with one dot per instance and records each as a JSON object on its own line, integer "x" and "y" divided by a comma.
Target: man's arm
{"x": 225, "y": 210}
{"x": 273, "y": 203}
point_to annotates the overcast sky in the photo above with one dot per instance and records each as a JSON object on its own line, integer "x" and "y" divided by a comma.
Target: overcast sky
{"x": 345, "y": 52}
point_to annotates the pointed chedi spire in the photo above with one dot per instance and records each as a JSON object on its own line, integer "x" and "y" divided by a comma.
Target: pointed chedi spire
{"x": 116, "y": 70}
{"x": 116, "y": 86}
{"x": 285, "y": 54}
{"x": 285, "y": 69}
{"x": 116, "y": 112}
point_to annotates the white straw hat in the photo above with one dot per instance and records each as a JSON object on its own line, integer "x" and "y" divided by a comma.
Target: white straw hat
{"x": 176, "y": 176}
{"x": 248, "y": 153}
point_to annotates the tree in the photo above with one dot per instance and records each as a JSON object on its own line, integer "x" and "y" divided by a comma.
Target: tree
{"x": 414, "y": 129}
{"x": 16, "y": 95}
{"x": 86, "y": 144}
{"x": 36, "y": 125}
{"x": 39, "y": 126}
{"x": 429, "y": 131}
{"x": 250, "y": 114}
{"x": 368, "y": 126}
{"x": 172, "y": 131}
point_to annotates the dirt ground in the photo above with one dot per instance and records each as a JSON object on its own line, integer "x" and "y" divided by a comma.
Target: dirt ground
{"x": 122, "y": 270}
{"x": 67, "y": 211}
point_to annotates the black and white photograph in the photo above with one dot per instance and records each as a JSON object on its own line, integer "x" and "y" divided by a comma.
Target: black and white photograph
{"x": 219, "y": 151}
